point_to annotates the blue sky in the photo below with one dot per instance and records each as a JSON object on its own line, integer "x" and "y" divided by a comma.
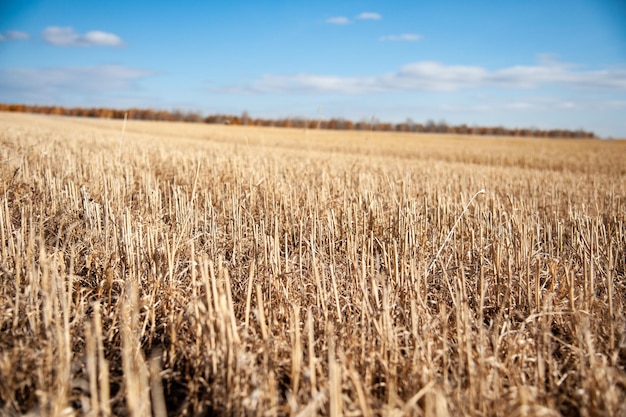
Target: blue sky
{"x": 546, "y": 64}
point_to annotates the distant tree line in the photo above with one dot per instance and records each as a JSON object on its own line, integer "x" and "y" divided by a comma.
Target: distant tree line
{"x": 295, "y": 122}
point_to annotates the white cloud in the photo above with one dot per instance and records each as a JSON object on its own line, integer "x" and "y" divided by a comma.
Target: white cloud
{"x": 551, "y": 103}
{"x": 14, "y": 35}
{"x": 97, "y": 37}
{"x": 311, "y": 83}
{"x": 66, "y": 36}
{"x": 477, "y": 108}
{"x": 410, "y": 37}
{"x": 567, "y": 105}
{"x": 338, "y": 20}
{"x": 434, "y": 76}
{"x": 55, "y": 85}
{"x": 369, "y": 16}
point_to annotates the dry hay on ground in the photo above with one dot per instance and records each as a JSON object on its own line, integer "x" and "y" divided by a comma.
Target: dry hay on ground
{"x": 200, "y": 270}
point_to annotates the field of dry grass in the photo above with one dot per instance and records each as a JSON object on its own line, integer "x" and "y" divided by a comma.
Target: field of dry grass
{"x": 204, "y": 270}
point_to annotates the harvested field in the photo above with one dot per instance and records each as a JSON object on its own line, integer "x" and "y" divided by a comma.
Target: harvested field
{"x": 191, "y": 269}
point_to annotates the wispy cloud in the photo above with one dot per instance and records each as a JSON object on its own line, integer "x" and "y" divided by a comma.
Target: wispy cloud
{"x": 567, "y": 105}
{"x": 338, "y": 20}
{"x": 407, "y": 37}
{"x": 551, "y": 103}
{"x": 14, "y": 35}
{"x": 56, "y": 84}
{"x": 66, "y": 36}
{"x": 434, "y": 76}
{"x": 474, "y": 108}
{"x": 369, "y": 16}
{"x": 616, "y": 104}
{"x": 519, "y": 105}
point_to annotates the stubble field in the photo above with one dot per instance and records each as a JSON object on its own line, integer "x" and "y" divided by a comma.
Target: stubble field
{"x": 189, "y": 269}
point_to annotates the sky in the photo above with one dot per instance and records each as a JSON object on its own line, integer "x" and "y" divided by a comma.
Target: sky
{"x": 545, "y": 64}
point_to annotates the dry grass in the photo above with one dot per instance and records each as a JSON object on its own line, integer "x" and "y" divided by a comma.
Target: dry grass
{"x": 212, "y": 270}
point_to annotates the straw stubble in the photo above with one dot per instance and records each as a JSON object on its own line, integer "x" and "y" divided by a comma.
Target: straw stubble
{"x": 204, "y": 270}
